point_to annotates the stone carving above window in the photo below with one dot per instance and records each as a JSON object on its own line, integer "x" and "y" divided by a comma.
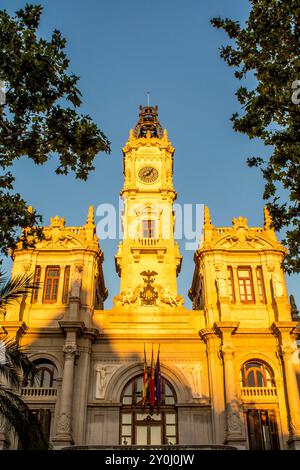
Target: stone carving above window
{"x": 193, "y": 373}
{"x": 58, "y": 236}
{"x": 240, "y": 235}
{"x": 104, "y": 373}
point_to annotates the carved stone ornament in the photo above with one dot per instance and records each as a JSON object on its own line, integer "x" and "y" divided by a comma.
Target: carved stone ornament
{"x": 64, "y": 423}
{"x": 149, "y": 294}
{"x": 167, "y": 297}
{"x": 228, "y": 351}
{"x": 58, "y": 236}
{"x": 70, "y": 350}
{"x": 234, "y": 423}
{"x": 104, "y": 372}
{"x": 193, "y": 374}
{"x": 288, "y": 349}
{"x": 234, "y": 418}
{"x": 221, "y": 283}
{"x": 277, "y": 285}
{"x": 127, "y": 297}
{"x": 76, "y": 282}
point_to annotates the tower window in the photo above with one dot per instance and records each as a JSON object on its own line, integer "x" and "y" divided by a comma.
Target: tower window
{"x": 230, "y": 284}
{"x": 65, "y": 294}
{"x": 245, "y": 285}
{"x": 148, "y": 228}
{"x": 37, "y": 278}
{"x": 51, "y": 284}
{"x": 260, "y": 283}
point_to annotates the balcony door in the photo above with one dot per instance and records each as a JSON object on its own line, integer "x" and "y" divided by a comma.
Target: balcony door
{"x": 262, "y": 430}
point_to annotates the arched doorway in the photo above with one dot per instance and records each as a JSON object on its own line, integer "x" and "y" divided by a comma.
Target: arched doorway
{"x": 144, "y": 425}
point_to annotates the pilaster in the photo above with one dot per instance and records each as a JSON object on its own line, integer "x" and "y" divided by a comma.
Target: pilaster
{"x": 283, "y": 332}
{"x": 235, "y": 430}
{"x": 215, "y": 372}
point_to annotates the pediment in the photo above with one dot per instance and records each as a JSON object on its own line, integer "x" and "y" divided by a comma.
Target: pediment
{"x": 244, "y": 241}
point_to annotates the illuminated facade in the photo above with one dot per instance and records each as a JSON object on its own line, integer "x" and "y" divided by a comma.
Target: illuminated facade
{"x": 229, "y": 366}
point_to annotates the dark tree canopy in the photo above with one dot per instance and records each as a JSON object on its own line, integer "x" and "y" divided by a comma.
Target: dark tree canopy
{"x": 38, "y": 114}
{"x": 268, "y": 46}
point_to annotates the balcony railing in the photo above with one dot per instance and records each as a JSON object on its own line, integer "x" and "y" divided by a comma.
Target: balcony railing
{"x": 39, "y": 392}
{"x": 258, "y": 392}
{"x": 148, "y": 241}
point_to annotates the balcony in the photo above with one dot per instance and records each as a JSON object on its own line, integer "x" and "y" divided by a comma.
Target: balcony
{"x": 39, "y": 392}
{"x": 147, "y": 241}
{"x": 259, "y": 393}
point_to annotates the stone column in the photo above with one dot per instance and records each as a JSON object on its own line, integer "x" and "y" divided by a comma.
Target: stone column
{"x": 223, "y": 296}
{"x": 292, "y": 391}
{"x": 64, "y": 421}
{"x": 215, "y": 375}
{"x": 234, "y": 417}
{"x": 235, "y": 429}
{"x": 286, "y": 333}
{"x": 75, "y": 293}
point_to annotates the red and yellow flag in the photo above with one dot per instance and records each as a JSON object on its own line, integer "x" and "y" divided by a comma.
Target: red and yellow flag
{"x": 145, "y": 380}
{"x": 152, "y": 383}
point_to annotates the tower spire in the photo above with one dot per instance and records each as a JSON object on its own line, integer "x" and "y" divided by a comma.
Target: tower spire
{"x": 148, "y": 122}
{"x": 267, "y": 218}
{"x": 90, "y": 216}
{"x": 207, "y": 219}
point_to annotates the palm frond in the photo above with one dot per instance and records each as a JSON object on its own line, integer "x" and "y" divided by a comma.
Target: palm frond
{"x": 13, "y": 289}
{"x": 22, "y": 420}
{"x": 15, "y": 366}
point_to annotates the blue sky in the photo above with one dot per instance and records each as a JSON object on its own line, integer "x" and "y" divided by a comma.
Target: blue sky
{"x": 121, "y": 49}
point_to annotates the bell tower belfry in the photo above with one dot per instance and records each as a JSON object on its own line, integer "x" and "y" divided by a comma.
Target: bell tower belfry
{"x": 148, "y": 259}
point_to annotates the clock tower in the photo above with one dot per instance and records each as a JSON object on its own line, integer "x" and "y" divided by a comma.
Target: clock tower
{"x": 148, "y": 259}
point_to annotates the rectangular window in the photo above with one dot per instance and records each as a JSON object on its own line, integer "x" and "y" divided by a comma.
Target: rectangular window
{"x": 245, "y": 285}
{"x": 51, "y": 284}
{"x": 65, "y": 295}
{"x": 230, "y": 284}
{"x": 148, "y": 228}
{"x": 260, "y": 283}
{"x": 37, "y": 279}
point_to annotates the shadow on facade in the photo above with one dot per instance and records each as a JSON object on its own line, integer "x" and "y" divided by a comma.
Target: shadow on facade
{"x": 93, "y": 368}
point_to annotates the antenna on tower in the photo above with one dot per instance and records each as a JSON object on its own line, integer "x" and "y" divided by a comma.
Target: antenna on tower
{"x": 148, "y": 98}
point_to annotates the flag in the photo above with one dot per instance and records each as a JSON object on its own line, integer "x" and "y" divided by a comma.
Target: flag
{"x": 152, "y": 383}
{"x": 158, "y": 380}
{"x": 145, "y": 380}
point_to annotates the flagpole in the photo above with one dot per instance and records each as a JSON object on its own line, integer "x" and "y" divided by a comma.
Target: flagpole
{"x": 145, "y": 379}
{"x": 158, "y": 381}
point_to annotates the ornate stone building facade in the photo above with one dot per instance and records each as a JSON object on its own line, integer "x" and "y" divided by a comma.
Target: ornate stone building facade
{"x": 229, "y": 366}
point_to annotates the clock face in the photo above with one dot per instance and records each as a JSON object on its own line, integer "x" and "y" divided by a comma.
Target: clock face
{"x": 148, "y": 174}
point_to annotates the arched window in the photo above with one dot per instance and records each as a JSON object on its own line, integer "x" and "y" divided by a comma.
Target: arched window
{"x": 45, "y": 374}
{"x": 256, "y": 374}
{"x": 143, "y": 425}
